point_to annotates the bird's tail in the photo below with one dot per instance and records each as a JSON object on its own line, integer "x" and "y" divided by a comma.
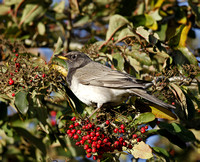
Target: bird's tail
{"x": 142, "y": 93}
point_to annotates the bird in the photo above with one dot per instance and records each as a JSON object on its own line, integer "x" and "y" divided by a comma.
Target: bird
{"x": 98, "y": 85}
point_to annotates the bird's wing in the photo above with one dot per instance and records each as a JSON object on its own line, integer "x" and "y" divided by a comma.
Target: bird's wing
{"x": 99, "y": 75}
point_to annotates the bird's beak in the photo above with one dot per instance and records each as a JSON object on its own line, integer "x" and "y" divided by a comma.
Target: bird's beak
{"x": 61, "y": 57}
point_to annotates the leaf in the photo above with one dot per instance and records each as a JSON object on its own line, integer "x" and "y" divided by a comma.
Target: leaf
{"x": 41, "y": 28}
{"x": 21, "y": 102}
{"x": 118, "y": 61}
{"x": 161, "y": 151}
{"x": 163, "y": 113}
{"x": 188, "y": 55}
{"x": 176, "y": 129}
{"x": 58, "y": 48}
{"x": 32, "y": 11}
{"x": 196, "y": 11}
{"x": 142, "y": 151}
{"x": 32, "y": 139}
{"x": 144, "y": 118}
{"x": 125, "y": 33}
{"x": 59, "y": 8}
{"x": 134, "y": 63}
{"x": 184, "y": 34}
{"x": 175, "y": 40}
{"x": 116, "y": 22}
{"x": 179, "y": 96}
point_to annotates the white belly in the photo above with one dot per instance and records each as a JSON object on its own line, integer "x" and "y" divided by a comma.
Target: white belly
{"x": 97, "y": 95}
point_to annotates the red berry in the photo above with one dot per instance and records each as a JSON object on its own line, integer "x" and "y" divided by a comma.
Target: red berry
{"x": 123, "y": 130}
{"x": 86, "y": 147}
{"x": 14, "y": 59}
{"x": 89, "y": 155}
{"x": 75, "y": 136}
{"x": 146, "y": 127}
{"x": 84, "y": 138}
{"x": 95, "y": 157}
{"x": 98, "y": 146}
{"x": 76, "y": 124}
{"x": 82, "y": 142}
{"x": 53, "y": 113}
{"x": 73, "y": 131}
{"x": 53, "y": 122}
{"x": 142, "y": 130}
{"x": 107, "y": 122}
{"x": 95, "y": 138}
{"x": 43, "y": 75}
{"x": 94, "y": 150}
{"x": 36, "y": 76}
{"x": 73, "y": 118}
{"x": 116, "y": 143}
{"x": 94, "y": 144}
{"x": 71, "y": 126}
{"x": 13, "y": 94}
{"x": 130, "y": 146}
{"x": 77, "y": 143}
{"x": 16, "y": 54}
{"x": 105, "y": 140}
{"x": 90, "y": 125}
{"x": 139, "y": 139}
{"x": 11, "y": 74}
{"x": 83, "y": 127}
{"x": 92, "y": 134}
{"x": 134, "y": 136}
{"x": 68, "y": 131}
{"x": 89, "y": 141}
{"x": 79, "y": 131}
{"x": 99, "y": 141}
{"x": 121, "y": 139}
{"x": 112, "y": 39}
{"x": 97, "y": 134}
{"x": 102, "y": 136}
{"x": 11, "y": 82}
{"x": 122, "y": 126}
{"x": 89, "y": 150}
{"x": 124, "y": 144}
{"x": 116, "y": 130}
{"x": 173, "y": 103}
{"x": 98, "y": 128}
{"x": 17, "y": 65}
{"x": 70, "y": 135}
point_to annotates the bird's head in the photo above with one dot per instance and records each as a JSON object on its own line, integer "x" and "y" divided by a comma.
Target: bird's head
{"x": 75, "y": 59}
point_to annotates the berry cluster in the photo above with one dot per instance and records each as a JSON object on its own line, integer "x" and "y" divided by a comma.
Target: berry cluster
{"x": 99, "y": 139}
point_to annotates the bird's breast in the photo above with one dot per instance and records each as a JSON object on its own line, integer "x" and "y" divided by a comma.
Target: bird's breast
{"x": 90, "y": 95}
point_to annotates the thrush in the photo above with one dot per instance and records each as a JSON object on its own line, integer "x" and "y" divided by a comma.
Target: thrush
{"x": 97, "y": 84}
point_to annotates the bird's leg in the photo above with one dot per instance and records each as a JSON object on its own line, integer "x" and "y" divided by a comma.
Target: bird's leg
{"x": 98, "y": 107}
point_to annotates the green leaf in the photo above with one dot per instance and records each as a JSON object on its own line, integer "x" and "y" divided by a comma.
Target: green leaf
{"x": 144, "y": 118}
{"x": 118, "y": 61}
{"x": 161, "y": 151}
{"x": 58, "y": 48}
{"x": 32, "y": 11}
{"x": 182, "y": 133}
{"x": 174, "y": 40}
{"x": 32, "y": 139}
{"x": 21, "y": 102}
{"x": 41, "y": 28}
{"x": 188, "y": 55}
{"x": 116, "y": 22}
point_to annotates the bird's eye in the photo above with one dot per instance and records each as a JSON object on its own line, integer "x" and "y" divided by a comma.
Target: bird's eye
{"x": 73, "y": 57}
